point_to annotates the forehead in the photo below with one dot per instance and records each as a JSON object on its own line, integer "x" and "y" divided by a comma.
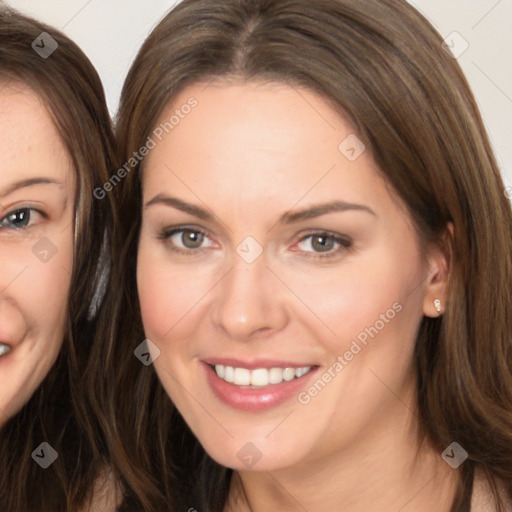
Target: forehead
{"x": 29, "y": 141}
{"x": 252, "y": 143}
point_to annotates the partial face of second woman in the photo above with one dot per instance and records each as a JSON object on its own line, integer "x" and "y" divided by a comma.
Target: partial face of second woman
{"x": 37, "y": 190}
{"x": 254, "y": 291}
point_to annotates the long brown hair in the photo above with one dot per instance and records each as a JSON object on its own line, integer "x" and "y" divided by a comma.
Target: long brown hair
{"x": 382, "y": 65}
{"x": 71, "y": 90}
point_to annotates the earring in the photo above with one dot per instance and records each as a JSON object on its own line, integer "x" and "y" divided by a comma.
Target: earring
{"x": 437, "y": 304}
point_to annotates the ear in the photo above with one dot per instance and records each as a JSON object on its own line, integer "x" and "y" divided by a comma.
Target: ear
{"x": 439, "y": 267}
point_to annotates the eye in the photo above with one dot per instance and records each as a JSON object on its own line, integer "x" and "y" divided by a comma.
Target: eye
{"x": 184, "y": 240}
{"x": 18, "y": 219}
{"x": 189, "y": 241}
{"x": 323, "y": 243}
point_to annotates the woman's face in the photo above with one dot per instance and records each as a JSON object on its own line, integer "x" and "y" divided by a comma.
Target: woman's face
{"x": 36, "y": 244}
{"x": 286, "y": 328}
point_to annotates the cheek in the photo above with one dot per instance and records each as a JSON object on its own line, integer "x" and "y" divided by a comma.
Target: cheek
{"x": 36, "y": 317}
{"x": 365, "y": 296}
{"x": 50, "y": 286}
{"x": 155, "y": 295}
{"x": 169, "y": 293}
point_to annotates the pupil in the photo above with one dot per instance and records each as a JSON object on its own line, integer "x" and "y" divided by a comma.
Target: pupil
{"x": 192, "y": 239}
{"x": 19, "y": 218}
{"x": 323, "y": 245}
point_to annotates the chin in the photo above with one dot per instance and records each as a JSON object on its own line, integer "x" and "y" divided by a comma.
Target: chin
{"x": 252, "y": 456}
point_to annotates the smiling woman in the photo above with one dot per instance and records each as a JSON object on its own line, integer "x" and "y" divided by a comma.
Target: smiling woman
{"x": 334, "y": 185}
{"x": 51, "y": 235}
{"x": 37, "y": 198}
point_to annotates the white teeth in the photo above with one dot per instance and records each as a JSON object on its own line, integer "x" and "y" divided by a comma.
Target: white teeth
{"x": 4, "y": 349}
{"x": 288, "y": 374}
{"x": 229, "y": 374}
{"x": 275, "y": 375}
{"x": 299, "y": 372}
{"x": 242, "y": 377}
{"x": 259, "y": 377}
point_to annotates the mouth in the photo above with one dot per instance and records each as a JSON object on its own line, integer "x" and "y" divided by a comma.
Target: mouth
{"x": 258, "y": 386}
{"x": 258, "y": 377}
{"x": 4, "y": 349}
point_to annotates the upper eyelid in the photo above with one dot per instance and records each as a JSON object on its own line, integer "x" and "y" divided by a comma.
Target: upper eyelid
{"x": 50, "y": 208}
{"x": 10, "y": 211}
{"x": 22, "y": 205}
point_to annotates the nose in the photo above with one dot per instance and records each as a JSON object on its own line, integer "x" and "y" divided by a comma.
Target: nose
{"x": 250, "y": 302}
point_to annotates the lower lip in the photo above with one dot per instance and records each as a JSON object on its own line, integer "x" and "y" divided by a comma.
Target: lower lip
{"x": 255, "y": 400}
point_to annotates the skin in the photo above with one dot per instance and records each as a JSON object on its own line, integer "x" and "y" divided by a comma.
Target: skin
{"x": 249, "y": 153}
{"x": 33, "y": 293}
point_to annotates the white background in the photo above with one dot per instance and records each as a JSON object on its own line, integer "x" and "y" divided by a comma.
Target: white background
{"x": 111, "y": 31}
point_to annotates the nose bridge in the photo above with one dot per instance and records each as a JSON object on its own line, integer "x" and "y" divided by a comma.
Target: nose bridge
{"x": 248, "y": 300}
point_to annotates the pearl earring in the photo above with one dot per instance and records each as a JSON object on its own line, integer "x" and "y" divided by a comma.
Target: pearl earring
{"x": 437, "y": 304}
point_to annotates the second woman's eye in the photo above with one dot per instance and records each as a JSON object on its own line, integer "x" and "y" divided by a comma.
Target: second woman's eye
{"x": 184, "y": 240}
{"x": 324, "y": 243}
{"x": 189, "y": 241}
{"x": 18, "y": 219}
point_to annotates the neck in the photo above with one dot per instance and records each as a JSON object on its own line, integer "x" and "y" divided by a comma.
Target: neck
{"x": 386, "y": 468}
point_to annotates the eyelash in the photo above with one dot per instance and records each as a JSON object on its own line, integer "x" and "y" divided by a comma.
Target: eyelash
{"x": 344, "y": 243}
{"x": 18, "y": 210}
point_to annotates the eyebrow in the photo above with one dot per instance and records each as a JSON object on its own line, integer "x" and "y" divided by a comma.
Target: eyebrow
{"x": 288, "y": 217}
{"x": 30, "y": 182}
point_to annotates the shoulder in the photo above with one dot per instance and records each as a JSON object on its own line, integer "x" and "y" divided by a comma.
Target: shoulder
{"x": 482, "y": 499}
{"x": 106, "y": 495}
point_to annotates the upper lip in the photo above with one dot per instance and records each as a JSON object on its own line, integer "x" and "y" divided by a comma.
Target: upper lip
{"x": 255, "y": 363}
